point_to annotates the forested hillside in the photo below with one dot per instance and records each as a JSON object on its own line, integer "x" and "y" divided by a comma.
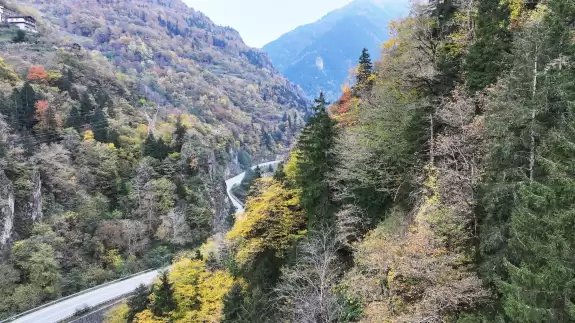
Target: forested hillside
{"x": 119, "y": 122}
{"x": 438, "y": 189}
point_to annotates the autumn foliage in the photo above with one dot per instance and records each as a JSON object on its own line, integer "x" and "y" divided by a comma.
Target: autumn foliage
{"x": 341, "y": 109}
{"x": 37, "y": 74}
{"x": 47, "y": 119}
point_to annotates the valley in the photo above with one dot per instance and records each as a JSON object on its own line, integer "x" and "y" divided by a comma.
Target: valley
{"x": 381, "y": 164}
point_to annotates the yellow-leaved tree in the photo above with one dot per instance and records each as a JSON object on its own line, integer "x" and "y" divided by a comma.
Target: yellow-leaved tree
{"x": 273, "y": 220}
{"x": 198, "y": 294}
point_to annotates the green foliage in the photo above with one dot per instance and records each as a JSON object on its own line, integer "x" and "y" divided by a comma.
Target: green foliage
{"x": 124, "y": 164}
{"x": 242, "y": 190}
{"x": 162, "y": 297}
{"x": 244, "y": 159}
{"x": 489, "y": 54}
{"x": 280, "y": 175}
{"x": 99, "y": 125}
{"x": 233, "y": 302}
{"x": 315, "y": 159}
{"x": 365, "y": 78}
{"x": 20, "y": 36}
{"x": 138, "y": 302}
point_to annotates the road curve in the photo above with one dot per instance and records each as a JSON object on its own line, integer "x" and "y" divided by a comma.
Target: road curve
{"x": 66, "y": 308}
{"x": 237, "y": 180}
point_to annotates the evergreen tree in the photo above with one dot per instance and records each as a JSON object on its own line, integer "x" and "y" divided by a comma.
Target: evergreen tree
{"x": 257, "y": 172}
{"x": 527, "y": 199}
{"x": 20, "y": 36}
{"x": 65, "y": 82}
{"x": 315, "y": 159}
{"x": 364, "y": 73}
{"x": 86, "y": 108}
{"x": 529, "y": 202}
{"x": 26, "y": 106}
{"x": 138, "y": 302}
{"x": 114, "y": 138}
{"x": 162, "y": 149}
{"x": 280, "y": 174}
{"x": 74, "y": 120}
{"x": 149, "y": 146}
{"x": 163, "y": 297}
{"x": 179, "y": 134}
{"x": 47, "y": 125}
{"x": 488, "y": 55}
{"x": 233, "y": 303}
{"x": 105, "y": 103}
{"x": 8, "y": 109}
{"x": 99, "y": 125}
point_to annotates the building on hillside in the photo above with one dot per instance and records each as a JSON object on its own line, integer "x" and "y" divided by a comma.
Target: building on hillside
{"x": 13, "y": 18}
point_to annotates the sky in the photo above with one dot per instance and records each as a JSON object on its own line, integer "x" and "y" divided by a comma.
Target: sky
{"x": 261, "y": 21}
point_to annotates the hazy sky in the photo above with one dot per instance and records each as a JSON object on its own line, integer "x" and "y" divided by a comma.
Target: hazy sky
{"x": 261, "y": 21}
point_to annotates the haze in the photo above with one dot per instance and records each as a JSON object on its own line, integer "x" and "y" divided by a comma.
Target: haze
{"x": 261, "y": 21}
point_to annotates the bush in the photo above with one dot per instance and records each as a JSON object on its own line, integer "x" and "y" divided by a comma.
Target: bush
{"x": 20, "y": 36}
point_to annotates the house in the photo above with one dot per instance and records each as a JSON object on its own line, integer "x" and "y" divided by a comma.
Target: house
{"x": 13, "y": 18}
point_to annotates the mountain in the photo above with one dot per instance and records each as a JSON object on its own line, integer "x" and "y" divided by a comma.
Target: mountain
{"x": 119, "y": 122}
{"x": 318, "y": 56}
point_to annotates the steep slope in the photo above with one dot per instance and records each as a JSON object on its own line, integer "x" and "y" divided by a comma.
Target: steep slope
{"x": 318, "y": 56}
{"x": 119, "y": 122}
{"x": 179, "y": 58}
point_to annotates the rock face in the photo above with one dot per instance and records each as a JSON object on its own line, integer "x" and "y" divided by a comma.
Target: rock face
{"x": 6, "y": 210}
{"x": 35, "y": 199}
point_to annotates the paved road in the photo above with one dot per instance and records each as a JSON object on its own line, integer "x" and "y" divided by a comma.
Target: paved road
{"x": 66, "y": 308}
{"x": 237, "y": 180}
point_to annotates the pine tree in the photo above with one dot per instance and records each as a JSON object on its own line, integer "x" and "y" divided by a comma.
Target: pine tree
{"x": 162, "y": 149}
{"x": 179, "y": 135}
{"x": 99, "y": 125}
{"x": 74, "y": 120}
{"x": 47, "y": 125}
{"x": 26, "y": 106}
{"x": 149, "y": 146}
{"x": 280, "y": 174}
{"x": 20, "y": 36}
{"x": 9, "y": 108}
{"x": 527, "y": 198}
{"x": 316, "y": 159}
{"x": 364, "y": 74}
{"x": 489, "y": 55}
{"x": 233, "y": 303}
{"x": 257, "y": 172}
{"x": 530, "y": 209}
{"x": 163, "y": 297}
{"x": 86, "y": 108}
{"x": 65, "y": 82}
{"x": 105, "y": 103}
{"x": 114, "y": 138}
{"x": 138, "y": 302}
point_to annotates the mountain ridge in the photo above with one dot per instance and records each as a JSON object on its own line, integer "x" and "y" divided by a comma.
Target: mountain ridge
{"x": 369, "y": 19}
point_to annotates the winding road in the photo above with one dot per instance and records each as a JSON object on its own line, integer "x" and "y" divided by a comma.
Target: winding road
{"x": 67, "y": 307}
{"x": 62, "y": 309}
{"x": 237, "y": 180}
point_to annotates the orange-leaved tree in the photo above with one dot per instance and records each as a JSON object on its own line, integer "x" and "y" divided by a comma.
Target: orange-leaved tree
{"x": 37, "y": 74}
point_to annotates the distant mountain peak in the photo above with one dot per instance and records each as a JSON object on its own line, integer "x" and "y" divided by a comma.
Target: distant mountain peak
{"x": 337, "y": 40}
